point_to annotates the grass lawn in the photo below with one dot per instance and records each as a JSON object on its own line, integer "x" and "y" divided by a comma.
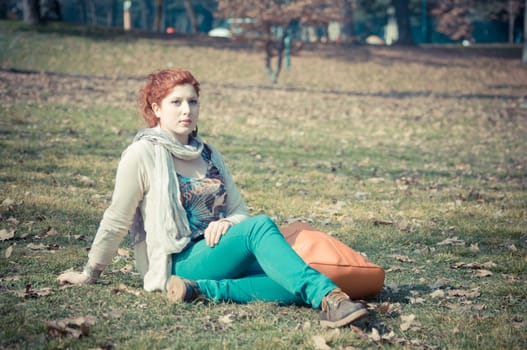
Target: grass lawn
{"x": 416, "y": 157}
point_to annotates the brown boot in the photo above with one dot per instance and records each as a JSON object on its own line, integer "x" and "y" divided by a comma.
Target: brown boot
{"x": 180, "y": 289}
{"x": 338, "y": 310}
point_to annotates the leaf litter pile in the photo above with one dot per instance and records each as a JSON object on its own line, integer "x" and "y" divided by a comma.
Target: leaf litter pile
{"x": 417, "y": 158}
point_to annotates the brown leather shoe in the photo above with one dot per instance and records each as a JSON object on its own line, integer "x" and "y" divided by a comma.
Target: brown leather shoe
{"x": 338, "y": 310}
{"x": 180, "y": 289}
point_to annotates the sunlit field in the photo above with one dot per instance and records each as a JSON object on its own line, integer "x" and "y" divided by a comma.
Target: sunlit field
{"x": 416, "y": 157}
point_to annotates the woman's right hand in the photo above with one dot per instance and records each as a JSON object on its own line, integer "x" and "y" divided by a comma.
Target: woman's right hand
{"x": 73, "y": 277}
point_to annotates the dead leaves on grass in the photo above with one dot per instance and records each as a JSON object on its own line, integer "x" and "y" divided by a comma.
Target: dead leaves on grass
{"x": 452, "y": 241}
{"x": 481, "y": 268}
{"x": 74, "y": 327}
{"x": 29, "y": 292}
{"x": 322, "y": 341}
{"x": 6, "y": 234}
{"x": 122, "y": 288}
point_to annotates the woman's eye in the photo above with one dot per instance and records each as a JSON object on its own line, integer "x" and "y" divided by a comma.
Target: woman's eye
{"x": 193, "y": 102}
{"x": 177, "y": 102}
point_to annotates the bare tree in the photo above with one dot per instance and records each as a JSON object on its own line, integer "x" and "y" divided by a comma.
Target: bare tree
{"x": 110, "y": 15}
{"x": 3, "y": 10}
{"x": 524, "y": 59}
{"x": 191, "y": 15}
{"x": 158, "y": 17}
{"x": 91, "y": 12}
{"x": 402, "y": 16}
{"x": 513, "y": 10}
{"x": 348, "y": 30}
{"x": 452, "y": 17}
{"x": 32, "y": 12}
{"x": 270, "y": 23}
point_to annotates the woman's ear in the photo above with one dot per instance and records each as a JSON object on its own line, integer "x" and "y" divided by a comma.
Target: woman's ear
{"x": 155, "y": 108}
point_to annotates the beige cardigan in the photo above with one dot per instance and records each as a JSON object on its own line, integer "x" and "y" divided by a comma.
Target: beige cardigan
{"x": 131, "y": 192}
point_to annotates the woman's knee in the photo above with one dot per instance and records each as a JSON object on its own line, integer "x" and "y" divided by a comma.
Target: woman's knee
{"x": 263, "y": 220}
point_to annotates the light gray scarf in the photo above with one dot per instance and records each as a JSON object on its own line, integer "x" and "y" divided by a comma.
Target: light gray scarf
{"x": 165, "y": 218}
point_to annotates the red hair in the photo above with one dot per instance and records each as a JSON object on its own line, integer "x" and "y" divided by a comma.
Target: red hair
{"x": 158, "y": 86}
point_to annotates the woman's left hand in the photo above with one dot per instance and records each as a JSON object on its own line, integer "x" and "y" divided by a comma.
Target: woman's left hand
{"x": 215, "y": 230}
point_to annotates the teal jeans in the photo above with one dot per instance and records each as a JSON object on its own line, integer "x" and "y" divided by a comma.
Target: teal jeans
{"x": 252, "y": 262}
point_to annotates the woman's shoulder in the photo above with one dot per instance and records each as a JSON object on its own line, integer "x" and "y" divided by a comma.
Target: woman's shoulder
{"x": 140, "y": 146}
{"x": 138, "y": 150}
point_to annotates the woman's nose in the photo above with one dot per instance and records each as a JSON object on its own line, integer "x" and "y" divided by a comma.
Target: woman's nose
{"x": 185, "y": 106}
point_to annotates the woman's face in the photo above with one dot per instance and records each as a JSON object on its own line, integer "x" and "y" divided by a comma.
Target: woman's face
{"x": 178, "y": 112}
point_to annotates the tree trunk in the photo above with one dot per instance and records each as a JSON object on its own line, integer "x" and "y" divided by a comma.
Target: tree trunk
{"x": 402, "y": 16}
{"x": 525, "y": 33}
{"x": 110, "y": 14}
{"x": 158, "y": 16}
{"x": 92, "y": 13}
{"x": 3, "y": 10}
{"x": 191, "y": 15}
{"x": 512, "y": 17}
{"x": 270, "y": 46}
{"x": 82, "y": 11}
{"x": 348, "y": 25}
{"x": 145, "y": 14}
{"x": 32, "y": 12}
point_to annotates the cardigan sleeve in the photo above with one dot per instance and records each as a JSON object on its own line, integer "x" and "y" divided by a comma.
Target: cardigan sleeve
{"x": 130, "y": 186}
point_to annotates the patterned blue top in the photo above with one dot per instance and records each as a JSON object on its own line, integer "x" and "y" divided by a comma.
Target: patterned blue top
{"x": 203, "y": 198}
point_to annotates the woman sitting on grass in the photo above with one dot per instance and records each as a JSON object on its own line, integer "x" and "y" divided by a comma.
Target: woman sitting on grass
{"x": 190, "y": 228}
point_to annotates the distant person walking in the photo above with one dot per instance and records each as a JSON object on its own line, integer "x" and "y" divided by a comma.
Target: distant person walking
{"x": 191, "y": 230}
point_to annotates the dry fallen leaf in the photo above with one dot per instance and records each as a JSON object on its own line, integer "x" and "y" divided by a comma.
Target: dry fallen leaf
{"x": 474, "y": 248}
{"x": 29, "y": 292}
{"x": 40, "y": 246}
{"x": 415, "y": 300}
{"x": 475, "y": 266}
{"x": 510, "y": 246}
{"x": 127, "y": 269}
{"x": 452, "y": 241}
{"x": 474, "y": 293}
{"x": 384, "y": 307}
{"x": 70, "y": 327}
{"x": 319, "y": 342}
{"x": 408, "y": 320}
{"x": 392, "y": 287}
{"x": 123, "y": 288}
{"x": 394, "y": 269}
{"x": 5, "y": 234}
{"x": 439, "y": 283}
{"x": 123, "y": 252}
{"x": 86, "y": 180}
{"x": 9, "y": 251}
{"x": 112, "y": 315}
{"x": 389, "y": 336}
{"x": 483, "y": 273}
{"x": 374, "y": 335}
{"x": 510, "y": 277}
{"x": 49, "y": 232}
{"x": 437, "y": 294}
{"x": 402, "y": 258}
{"x": 226, "y": 319}
{"x": 13, "y": 220}
{"x": 376, "y": 180}
{"x": 383, "y": 222}
{"x": 6, "y": 203}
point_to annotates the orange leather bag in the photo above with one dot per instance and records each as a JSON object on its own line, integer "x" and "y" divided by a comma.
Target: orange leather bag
{"x": 348, "y": 269}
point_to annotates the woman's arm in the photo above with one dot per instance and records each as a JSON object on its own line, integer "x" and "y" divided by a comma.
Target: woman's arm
{"x": 130, "y": 186}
